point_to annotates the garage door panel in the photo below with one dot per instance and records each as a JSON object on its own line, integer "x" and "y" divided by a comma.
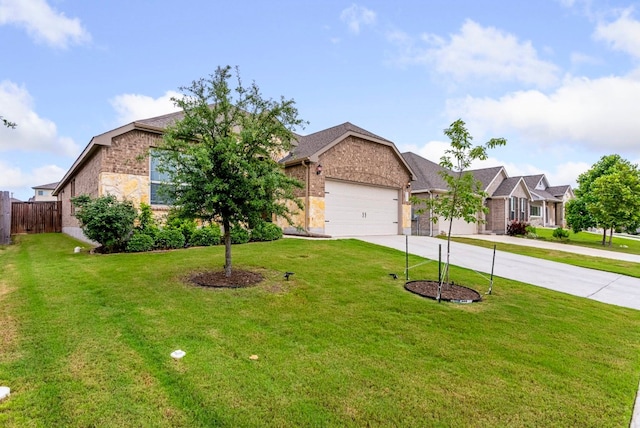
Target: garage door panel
{"x": 354, "y": 209}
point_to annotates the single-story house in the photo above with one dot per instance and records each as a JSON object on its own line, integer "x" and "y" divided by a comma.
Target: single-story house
{"x": 43, "y": 193}
{"x": 355, "y": 182}
{"x": 528, "y": 199}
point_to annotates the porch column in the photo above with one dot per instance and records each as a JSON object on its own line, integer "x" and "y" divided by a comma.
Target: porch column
{"x": 544, "y": 213}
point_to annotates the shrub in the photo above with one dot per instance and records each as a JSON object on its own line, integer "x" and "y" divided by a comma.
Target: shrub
{"x": 531, "y": 232}
{"x": 560, "y": 233}
{"x": 145, "y": 218}
{"x": 140, "y": 242}
{"x": 517, "y": 228}
{"x": 239, "y": 235}
{"x": 169, "y": 238}
{"x": 206, "y": 236}
{"x": 186, "y": 226}
{"x": 266, "y": 231}
{"x": 105, "y": 220}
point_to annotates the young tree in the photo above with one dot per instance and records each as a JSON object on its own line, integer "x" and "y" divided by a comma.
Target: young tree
{"x": 465, "y": 195}
{"x": 222, "y": 156}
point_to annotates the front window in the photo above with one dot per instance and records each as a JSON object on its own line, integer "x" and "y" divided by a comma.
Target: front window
{"x": 534, "y": 211}
{"x": 523, "y": 209}
{"x": 513, "y": 204}
{"x": 158, "y": 181}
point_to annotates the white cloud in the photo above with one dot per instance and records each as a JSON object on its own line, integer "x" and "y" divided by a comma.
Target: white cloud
{"x": 622, "y": 34}
{"x": 16, "y": 180}
{"x": 33, "y": 133}
{"x": 132, "y": 107}
{"x": 43, "y": 23}
{"x": 597, "y": 114}
{"x": 357, "y": 16}
{"x": 475, "y": 52}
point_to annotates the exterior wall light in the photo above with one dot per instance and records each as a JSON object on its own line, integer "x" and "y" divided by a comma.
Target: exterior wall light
{"x": 319, "y": 169}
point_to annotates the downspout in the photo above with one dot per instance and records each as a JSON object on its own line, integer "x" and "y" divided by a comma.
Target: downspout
{"x": 430, "y": 216}
{"x": 306, "y": 163}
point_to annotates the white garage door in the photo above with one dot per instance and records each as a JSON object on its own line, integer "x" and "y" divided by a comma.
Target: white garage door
{"x": 357, "y": 210}
{"x": 459, "y": 227}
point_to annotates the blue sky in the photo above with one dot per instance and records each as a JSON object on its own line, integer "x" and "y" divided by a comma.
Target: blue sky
{"x": 560, "y": 79}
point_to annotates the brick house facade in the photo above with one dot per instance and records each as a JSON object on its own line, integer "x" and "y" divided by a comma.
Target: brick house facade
{"x": 118, "y": 163}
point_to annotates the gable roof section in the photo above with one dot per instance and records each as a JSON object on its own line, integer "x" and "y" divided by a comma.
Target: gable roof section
{"x": 104, "y": 139}
{"x": 559, "y": 191}
{"x": 310, "y": 147}
{"x": 427, "y": 174}
{"x": 49, "y": 186}
{"x": 486, "y": 176}
{"x": 508, "y": 186}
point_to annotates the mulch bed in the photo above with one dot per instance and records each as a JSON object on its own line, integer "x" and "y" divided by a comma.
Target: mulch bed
{"x": 450, "y": 292}
{"x": 217, "y": 279}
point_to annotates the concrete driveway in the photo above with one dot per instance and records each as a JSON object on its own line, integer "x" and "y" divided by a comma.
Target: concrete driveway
{"x": 592, "y": 284}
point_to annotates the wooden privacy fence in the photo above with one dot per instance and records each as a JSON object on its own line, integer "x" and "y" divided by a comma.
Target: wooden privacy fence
{"x": 36, "y": 217}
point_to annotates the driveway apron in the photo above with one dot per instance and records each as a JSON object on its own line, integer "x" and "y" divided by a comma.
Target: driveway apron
{"x": 604, "y": 287}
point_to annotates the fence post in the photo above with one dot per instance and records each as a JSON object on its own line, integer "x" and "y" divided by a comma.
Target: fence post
{"x": 5, "y": 218}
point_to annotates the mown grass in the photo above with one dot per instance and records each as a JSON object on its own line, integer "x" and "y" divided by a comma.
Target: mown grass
{"x": 86, "y": 341}
{"x": 599, "y": 263}
{"x": 593, "y": 240}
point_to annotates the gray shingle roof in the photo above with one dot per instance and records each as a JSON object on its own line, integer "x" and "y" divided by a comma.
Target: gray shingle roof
{"x": 507, "y": 187}
{"x": 426, "y": 172}
{"x": 49, "y": 186}
{"x": 163, "y": 121}
{"x": 486, "y": 175}
{"x": 532, "y": 180}
{"x": 558, "y": 191}
{"x": 311, "y": 144}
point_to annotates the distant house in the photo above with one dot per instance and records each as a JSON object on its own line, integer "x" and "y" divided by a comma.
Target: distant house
{"x": 528, "y": 199}
{"x": 355, "y": 182}
{"x": 44, "y": 193}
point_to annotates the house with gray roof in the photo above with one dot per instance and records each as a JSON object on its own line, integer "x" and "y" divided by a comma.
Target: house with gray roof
{"x": 528, "y": 199}
{"x": 355, "y": 182}
{"x": 43, "y": 193}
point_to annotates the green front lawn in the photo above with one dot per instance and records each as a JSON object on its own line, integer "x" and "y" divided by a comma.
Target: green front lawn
{"x": 594, "y": 240}
{"x": 85, "y": 341}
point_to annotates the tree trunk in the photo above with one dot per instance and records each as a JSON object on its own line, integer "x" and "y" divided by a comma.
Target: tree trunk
{"x": 604, "y": 236}
{"x": 227, "y": 247}
{"x": 611, "y": 236}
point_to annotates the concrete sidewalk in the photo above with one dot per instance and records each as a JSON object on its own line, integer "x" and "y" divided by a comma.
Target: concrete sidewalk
{"x": 558, "y": 246}
{"x": 604, "y": 287}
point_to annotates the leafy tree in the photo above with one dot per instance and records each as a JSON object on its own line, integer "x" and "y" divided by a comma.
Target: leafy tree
{"x": 465, "y": 195}
{"x": 105, "y": 220}
{"x": 608, "y": 196}
{"x": 222, "y": 155}
{"x": 6, "y": 123}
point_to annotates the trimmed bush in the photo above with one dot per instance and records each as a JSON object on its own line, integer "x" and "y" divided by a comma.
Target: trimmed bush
{"x": 560, "y": 233}
{"x": 239, "y": 235}
{"x": 206, "y": 236}
{"x": 106, "y": 220}
{"x": 517, "y": 228}
{"x": 184, "y": 225}
{"x": 266, "y": 231}
{"x": 531, "y": 232}
{"x": 140, "y": 242}
{"x": 167, "y": 239}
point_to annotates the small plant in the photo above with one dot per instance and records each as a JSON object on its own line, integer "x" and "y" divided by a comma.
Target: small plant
{"x": 517, "y": 228}
{"x": 140, "y": 242}
{"x": 266, "y": 231}
{"x": 531, "y": 232}
{"x": 206, "y": 236}
{"x": 560, "y": 233}
{"x": 167, "y": 239}
{"x": 239, "y": 235}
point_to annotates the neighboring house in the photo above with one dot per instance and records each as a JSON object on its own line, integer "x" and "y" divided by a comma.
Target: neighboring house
{"x": 356, "y": 183}
{"x": 529, "y": 199}
{"x": 43, "y": 193}
{"x": 548, "y": 202}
